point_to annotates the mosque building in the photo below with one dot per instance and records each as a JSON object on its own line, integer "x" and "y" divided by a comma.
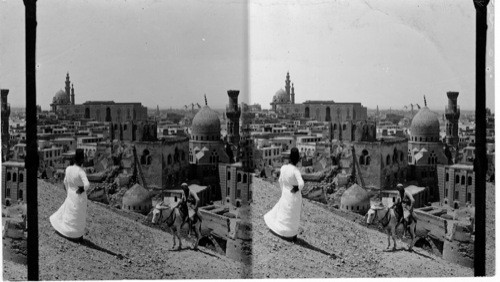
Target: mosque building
{"x": 425, "y": 150}
{"x": 63, "y": 103}
{"x": 284, "y": 102}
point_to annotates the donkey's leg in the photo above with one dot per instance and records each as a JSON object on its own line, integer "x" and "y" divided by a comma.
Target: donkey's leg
{"x": 393, "y": 235}
{"x": 388, "y": 239}
{"x": 173, "y": 235}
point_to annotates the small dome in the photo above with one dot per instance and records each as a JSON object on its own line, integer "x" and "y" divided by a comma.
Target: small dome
{"x": 281, "y": 96}
{"x": 137, "y": 199}
{"x": 355, "y": 199}
{"x": 425, "y": 124}
{"x": 61, "y": 97}
{"x": 205, "y": 123}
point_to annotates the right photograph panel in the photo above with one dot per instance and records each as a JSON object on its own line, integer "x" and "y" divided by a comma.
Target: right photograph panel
{"x": 363, "y": 136}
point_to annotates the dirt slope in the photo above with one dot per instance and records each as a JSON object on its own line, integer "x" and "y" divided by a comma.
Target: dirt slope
{"x": 116, "y": 247}
{"x": 331, "y": 246}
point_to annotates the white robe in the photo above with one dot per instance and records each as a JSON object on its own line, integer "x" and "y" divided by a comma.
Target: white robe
{"x": 283, "y": 219}
{"x": 70, "y": 219}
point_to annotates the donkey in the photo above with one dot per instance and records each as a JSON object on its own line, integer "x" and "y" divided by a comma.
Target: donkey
{"x": 389, "y": 221}
{"x": 174, "y": 219}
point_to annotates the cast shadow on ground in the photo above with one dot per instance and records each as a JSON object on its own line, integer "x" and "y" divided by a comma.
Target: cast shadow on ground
{"x": 90, "y": 244}
{"x": 301, "y": 242}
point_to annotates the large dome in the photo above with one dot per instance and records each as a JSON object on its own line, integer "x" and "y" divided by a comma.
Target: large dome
{"x": 281, "y": 96}
{"x": 206, "y": 123}
{"x": 425, "y": 126}
{"x": 60, "y": 97}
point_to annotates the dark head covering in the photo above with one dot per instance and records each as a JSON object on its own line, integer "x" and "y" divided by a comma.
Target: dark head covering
{"x": 79, "y": 157}
{"x": 294, "y": 156}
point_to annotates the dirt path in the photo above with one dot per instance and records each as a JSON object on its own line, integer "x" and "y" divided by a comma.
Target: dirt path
{"x": 116, "y": 247}
{"x": 331, "y": 246}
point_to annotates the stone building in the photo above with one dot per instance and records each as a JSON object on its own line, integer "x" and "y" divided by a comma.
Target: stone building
{"x": 5, "y": 124}
{"x": 13, "y": 181}
{"x": 284, "y": 102}
{"x": 355, "y": 199}
{"x": 164, "y": 163}
{"x": 133, "y": 130}
{"x": 382, "y": 162}
{"x": 456, "y": 184}
{"x": 452, "y": 113}
{"x": 207, "y": 150}
{"x": 235, "y": 184}
{"x": 63, "y": 103}
{"x": 425, "y": 150}
{"x": 137, "y": 199}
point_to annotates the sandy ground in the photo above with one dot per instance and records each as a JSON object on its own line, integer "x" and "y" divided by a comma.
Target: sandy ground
{"x": 331, "y": 246}
{"x": 117, "y": 247}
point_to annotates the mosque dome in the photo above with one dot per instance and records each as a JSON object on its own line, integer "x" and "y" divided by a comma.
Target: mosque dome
{"x": 60, "y": 97}
{"x": 206, "y": 125}
{"x": 425, "y": 126}
{"x": 281, "y": 96}
{"x": 137, "y": 199}
{"x": 355, "y": 199}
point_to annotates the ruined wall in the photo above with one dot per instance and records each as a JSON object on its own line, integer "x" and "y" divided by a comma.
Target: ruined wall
{"x": 427, "y": 223}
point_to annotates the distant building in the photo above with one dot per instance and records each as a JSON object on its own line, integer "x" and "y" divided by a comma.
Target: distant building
{"x": 13, "y": 182}
{"x": 5, "y": 124}
{"x": 235, "y": 185}
{"x": 63, "y": 103}
{"x": 164, "y": 163}
{"x": 284, "y": 102}
{"x": 452, "y": 113}
{"x": 426, "y": 151}
{"x": 456, "y": 185}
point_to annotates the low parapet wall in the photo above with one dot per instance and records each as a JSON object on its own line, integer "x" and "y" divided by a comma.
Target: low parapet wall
{"x": 427, "y": 223}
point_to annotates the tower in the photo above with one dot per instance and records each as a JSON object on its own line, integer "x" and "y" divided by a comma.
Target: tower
{"x": 5, "y": 124}
{"x": 67, "y": 88}
{"x": 287, "y": 85}
{"x": 72, "y": 95}
{"x": 293, "y": 94}
{"x": 233, "y": 113}
{"x": 452, "y": 113}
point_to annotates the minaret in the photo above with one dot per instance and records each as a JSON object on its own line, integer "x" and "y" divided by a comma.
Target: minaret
{"x": 287, "y": 85}
{"x": 233, "y": 113}
{"x": 293, "y": 94}
{"x": 72, "y": 95}
{"x": 67, "y": 88}
{"x": 452, "y": 113}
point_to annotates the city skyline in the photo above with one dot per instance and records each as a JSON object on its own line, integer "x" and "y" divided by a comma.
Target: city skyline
{"x": 351, "y": 51}
{"x": 385, "y": 53}
{"x": 158, "y": 53}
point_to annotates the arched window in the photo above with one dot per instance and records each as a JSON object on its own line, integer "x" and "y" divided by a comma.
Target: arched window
{"x": 457, "y": 179}
{"x": 361, "y": 160}
{"x": 469, "y": 180}
{"x": 20, "y": 194}
{"x": 245, "y": 178}
{"x": 21, "y": 177}
{"x": 463, "y": 180}
{"x": 327, "y": 116}
{"x": 144, "y": 157}
{"x": 239, "y": 177}
{"x": 306, "y": 113}
{"x": 447, "y": 177}
{"x": 8, "y": 176}
{"x": 14, "y": 177}
{"x": 228, "y": 175}
{"x": 335, "y": 126}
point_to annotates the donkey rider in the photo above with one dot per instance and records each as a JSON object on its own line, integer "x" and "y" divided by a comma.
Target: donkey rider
{"x": 188, "y": 205}
{"x": 404, "y": 205}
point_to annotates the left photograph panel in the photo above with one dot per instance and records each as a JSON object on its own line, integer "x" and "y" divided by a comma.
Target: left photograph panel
{"x": 142, "y": 145}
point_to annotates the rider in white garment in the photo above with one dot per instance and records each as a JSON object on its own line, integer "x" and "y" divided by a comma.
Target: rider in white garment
{"x": 70, "y": 219}
{"x": 284, "y": 218}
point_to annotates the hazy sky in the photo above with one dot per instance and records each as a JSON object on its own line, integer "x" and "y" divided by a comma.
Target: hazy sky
{"x": 166, "y": 53}
{"x": 388, "y": 53}
{"x": 169, "y": 53}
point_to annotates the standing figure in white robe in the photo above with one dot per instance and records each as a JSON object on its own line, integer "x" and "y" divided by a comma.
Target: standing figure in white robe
{"x": 70, "y": 219}
{"x": 283, "y": 219}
